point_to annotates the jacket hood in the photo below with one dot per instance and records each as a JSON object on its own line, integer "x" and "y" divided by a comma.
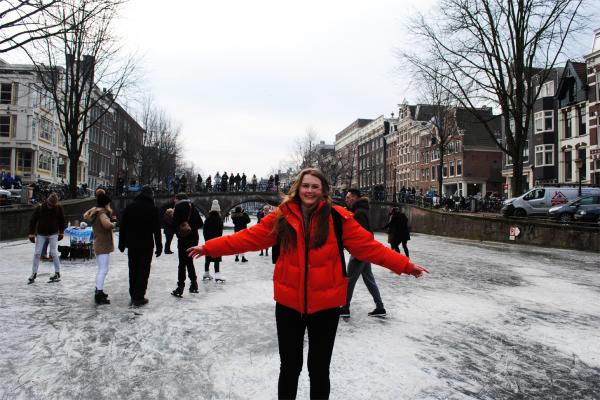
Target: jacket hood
{"x": 143, "y": 197}
{"x": 363, "y": 202}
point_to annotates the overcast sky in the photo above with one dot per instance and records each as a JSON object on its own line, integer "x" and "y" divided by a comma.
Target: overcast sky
{"x": 245, "y": 78}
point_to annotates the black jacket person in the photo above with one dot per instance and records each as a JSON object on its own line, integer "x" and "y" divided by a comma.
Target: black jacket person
{"x": 139, "y": 232}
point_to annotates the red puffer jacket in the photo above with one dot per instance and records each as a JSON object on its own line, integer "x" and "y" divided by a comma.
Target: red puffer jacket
{"x": 322, "y": 270}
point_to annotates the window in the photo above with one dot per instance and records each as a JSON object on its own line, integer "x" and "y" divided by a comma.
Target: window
{"x": 535, "y": 194}
{"x": 23, "y": 162}
{"x": 568, "y": 125}
{"x": 582, "y": 156}
{"x": 445, "y": 170}
{"x": 544, "y": 155}
{"x": 582, "y": 130}
{"x": 451, "y": 168}
{"x": 568, "y": 166}
{"x": 46, "y": 128}
{"x": 526, "y": 151}
{"x": 45, "y": 161}
{"x": 7, "y": 125}
{"x": 547, "y": 89}
{"x": 6, "y": 93}
{"x": 5, "y": 159}
{"x": 543, "y": 121}
{"x": 433, "y": 173}
{"x": 458, "y": 167}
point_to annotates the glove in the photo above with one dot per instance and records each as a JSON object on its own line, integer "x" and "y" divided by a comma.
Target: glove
{"x": 32, "y": 238}
{"x": 158, "y": 251}
{"x": 60, "y": 237}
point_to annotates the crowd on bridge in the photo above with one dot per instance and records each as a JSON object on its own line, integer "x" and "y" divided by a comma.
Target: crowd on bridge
{"x": 300, "y": 225}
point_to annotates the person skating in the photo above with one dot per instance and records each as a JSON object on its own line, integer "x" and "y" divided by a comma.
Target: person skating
{"x": 357, "y": 268}
{"x": 187, "y": 221}
{"x": 168, "y": 229}
{"x": 309, "y": 283}
{"x": 213, "y": 228}
{"x": 100, "y": 218}
{"x": 259, "y": 216}
{"x": 139, "y": 232}
{"x": 398, "y": 230}
{"x": 47, "y": 223}
{"x": 240, "y": 221}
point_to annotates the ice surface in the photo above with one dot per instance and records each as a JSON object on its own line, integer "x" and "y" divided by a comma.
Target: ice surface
{"x": 492, "y": 321}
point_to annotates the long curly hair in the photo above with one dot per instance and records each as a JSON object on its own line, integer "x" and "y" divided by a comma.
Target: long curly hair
{"x": 283, "y": 230}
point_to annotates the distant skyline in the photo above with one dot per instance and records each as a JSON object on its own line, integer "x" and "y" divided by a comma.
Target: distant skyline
{"x": 246, "y": 79}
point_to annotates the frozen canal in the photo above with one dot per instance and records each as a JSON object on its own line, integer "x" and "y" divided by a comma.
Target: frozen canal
{"x": 492, "y": 321}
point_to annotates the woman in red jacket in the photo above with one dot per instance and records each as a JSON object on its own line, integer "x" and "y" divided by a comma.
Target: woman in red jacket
{"x": 309, "y": 279}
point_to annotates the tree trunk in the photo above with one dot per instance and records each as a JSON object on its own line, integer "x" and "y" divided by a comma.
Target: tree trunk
{"x": 517, "y": 178}
{"x": 441, "y": 173}
{"x": 73, "y": 175}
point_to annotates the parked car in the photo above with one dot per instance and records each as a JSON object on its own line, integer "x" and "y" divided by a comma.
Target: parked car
{"x": 565, "y": 212}
{"x": 590, "y": 214}
{"x": 538, "y": 201}
{"x": 5, "y": 196}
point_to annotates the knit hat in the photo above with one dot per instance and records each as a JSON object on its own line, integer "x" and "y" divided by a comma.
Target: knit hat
{"x": 215, "y": 206}
{"x": 102, "y": 200}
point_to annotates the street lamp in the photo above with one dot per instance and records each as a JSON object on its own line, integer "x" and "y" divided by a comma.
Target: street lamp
{"x": 118, "y": 154}
{"x": 579, "y": 165}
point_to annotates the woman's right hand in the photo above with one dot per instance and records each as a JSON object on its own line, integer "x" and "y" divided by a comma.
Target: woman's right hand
{"x": 195, "y": 252}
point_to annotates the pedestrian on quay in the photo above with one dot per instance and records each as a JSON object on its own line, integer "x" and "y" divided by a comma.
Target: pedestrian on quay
{"x": 254, "y": 183}
{"x": 311, "y": 255}
{"x": 240, "y": 219}
{"x": 102, "y": 227}
{"x": 168, "y": 229}
{"x": 187, "y": 221}
{"x": 213, "y": 228}
{"x": 398, "y": 230}
{"x": 356, "y": 268}
{"x": 243, "y": 182}
{"x": 139, "y": 233}
{"x": 224, "y": 182}
{"x": 208, "y": 184}
{"x": 47, "y": 223}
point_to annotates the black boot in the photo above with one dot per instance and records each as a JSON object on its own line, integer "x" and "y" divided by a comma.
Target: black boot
{"x": 32, "y": 278}
{"x": 101, "y": 298}
{"x": 194, "y": 287}
{"x": 55, "y": 277}
{"x": 244, "y": 259}
{"x": 178, "y": 292}
{"x": 237, "y": 259}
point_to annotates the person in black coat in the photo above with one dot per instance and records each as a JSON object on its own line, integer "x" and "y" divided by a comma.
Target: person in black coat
{"x": 186, "y": 212}
{"x": 224, "y": 182}
{"x": 139, "y": 232}
{"x": 213, "y": 228}
{"x": 240, "y": 220}
{"x": 398, "y": 230}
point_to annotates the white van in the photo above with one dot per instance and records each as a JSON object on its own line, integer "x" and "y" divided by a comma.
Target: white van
{"x": 538, "y": 201}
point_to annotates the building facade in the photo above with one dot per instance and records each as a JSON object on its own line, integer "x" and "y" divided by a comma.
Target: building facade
{"x": 592, "y": 61}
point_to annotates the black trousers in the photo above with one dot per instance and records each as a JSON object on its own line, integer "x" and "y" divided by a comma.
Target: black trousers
{"x": 396, "y": 247}
{"x": 139, "y": 271}
{"x": 322, "y": 327}
{"x": 168, "y": 239}
{"x": 185, "y": 262}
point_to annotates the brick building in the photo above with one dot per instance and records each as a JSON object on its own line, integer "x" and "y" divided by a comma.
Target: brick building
{"x": 593, "y": 78}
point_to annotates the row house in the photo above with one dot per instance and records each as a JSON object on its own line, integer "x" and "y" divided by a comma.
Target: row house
{"x": 371, "y": 156}
{"x": 32, "y": 145}
{"x": 345, "y": 148}
{"x": 592, "y": 61}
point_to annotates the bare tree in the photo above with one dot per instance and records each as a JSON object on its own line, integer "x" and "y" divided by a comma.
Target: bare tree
{"x": 74, "y": 65}
{"x": 161, "y": 150}
{"x": 346, "y": 159}
{"x": 444, "y": 128}
{"x": 304, "y": 153}
{"x": 26, "y": 21}
{"x": 489, "y": 50}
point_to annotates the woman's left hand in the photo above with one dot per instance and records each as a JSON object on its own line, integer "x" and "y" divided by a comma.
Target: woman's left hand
{"x": 196, "y": 251}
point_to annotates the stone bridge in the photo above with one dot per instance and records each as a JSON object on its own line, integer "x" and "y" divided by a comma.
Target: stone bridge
{"x": 203, "y": 201}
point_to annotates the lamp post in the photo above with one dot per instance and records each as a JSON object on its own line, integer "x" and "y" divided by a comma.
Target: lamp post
{"x": 579, "y": 165}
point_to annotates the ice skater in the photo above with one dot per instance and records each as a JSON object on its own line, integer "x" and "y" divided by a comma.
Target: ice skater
{"x": 100, "y": 218}
{"x": 47, "y": 223}
{"x": 213, "y": 228}
{"x": 398, "y": 230}
{"x": 309, "y": 281}
{"x": 240, "y": 220}
{"x": 356, "y": 268}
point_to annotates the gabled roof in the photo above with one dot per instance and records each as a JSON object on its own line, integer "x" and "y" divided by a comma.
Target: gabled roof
{"x": 572, "y": 71}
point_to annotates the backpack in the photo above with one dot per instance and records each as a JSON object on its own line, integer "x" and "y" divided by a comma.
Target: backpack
{"x": 337, "y": 227}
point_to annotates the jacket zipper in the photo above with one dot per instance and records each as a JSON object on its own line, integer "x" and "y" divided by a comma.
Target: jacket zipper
{"x": 306, "y": 244}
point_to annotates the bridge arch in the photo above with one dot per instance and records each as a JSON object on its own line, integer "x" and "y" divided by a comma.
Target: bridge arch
{"x": 228, "y": 201}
